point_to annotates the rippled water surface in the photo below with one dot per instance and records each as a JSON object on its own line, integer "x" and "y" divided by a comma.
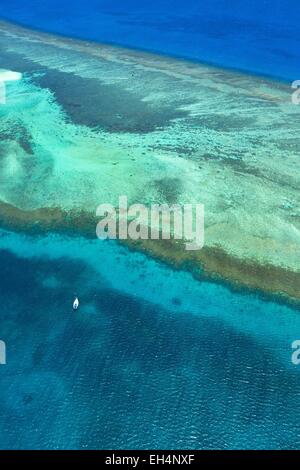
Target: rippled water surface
{"x": 155, "y": 357}
{"x": 152, "y": 359}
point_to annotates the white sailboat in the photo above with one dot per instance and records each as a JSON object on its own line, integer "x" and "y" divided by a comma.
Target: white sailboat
{"x": 76, "y": 304}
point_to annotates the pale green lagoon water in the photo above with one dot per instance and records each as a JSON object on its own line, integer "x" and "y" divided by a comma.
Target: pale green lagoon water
{"x": 89, "y": 122}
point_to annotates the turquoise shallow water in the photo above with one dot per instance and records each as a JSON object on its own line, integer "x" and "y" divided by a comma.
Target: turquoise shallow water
{"x": 153, "y": 358}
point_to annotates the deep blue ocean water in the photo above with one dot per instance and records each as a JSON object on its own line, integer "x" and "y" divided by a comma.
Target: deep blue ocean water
{"x": 262, "y": 36}
{"x": 153, "y": 358}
